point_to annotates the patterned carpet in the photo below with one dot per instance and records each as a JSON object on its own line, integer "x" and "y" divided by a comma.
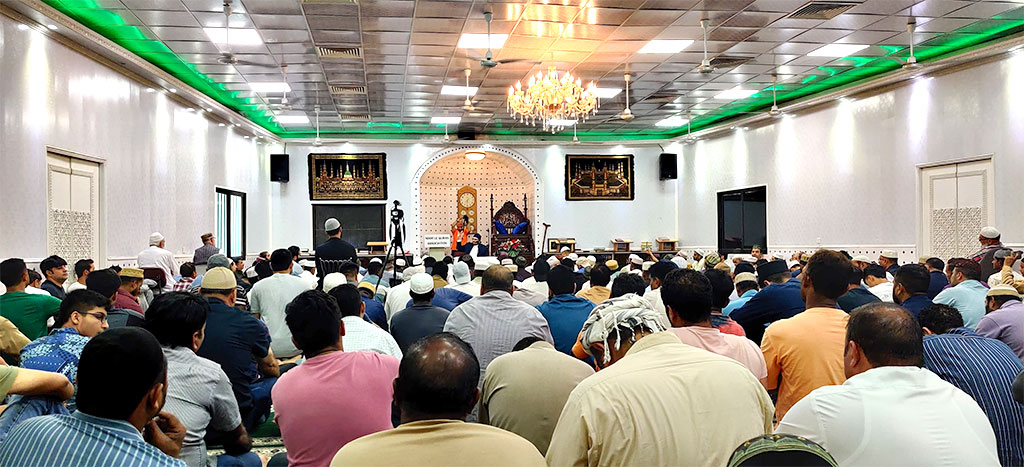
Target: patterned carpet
{"x": 266, "y": 441}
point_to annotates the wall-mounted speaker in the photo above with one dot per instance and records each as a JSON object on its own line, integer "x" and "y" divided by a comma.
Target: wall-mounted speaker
{"x": 667, "y": 166}
{"x": 279, "y": 168}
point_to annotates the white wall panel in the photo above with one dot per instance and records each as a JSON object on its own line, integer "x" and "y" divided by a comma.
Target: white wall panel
{"x": 847, "y": 174}
{"x": 161, "y": 161}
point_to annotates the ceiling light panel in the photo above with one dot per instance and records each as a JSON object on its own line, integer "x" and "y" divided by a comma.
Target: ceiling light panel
{"x": 672, "y": 122}
{"x": 270, "y": 87}
{"x": 736, "y": 94}
{"x": 292, "y": 119}
{"x": 445, "y": 120}
{"x": 479, "y": 41}
{"x": 458, "y": 90}
{"x": 837, "y": 50}
{"x": 665, "y": 46}
{"x": 237, "y": 36}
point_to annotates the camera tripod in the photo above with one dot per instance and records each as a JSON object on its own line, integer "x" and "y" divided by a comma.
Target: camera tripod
{"x": 397, "y": 232}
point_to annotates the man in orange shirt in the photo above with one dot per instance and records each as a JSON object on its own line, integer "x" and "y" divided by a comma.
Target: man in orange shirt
{"x": 805, "y": 352}
{"x": 460, "y": 234}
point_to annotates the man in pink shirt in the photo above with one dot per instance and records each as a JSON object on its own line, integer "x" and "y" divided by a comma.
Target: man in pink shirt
{"x": 334, "y": 396}
{"x": 688, "y": 301}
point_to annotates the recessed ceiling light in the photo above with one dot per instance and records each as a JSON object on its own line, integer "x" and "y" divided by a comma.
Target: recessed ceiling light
{"x": 220, "y": 124}
{"x": 736, "y": 94}
{"x": 673, "y": 121}
{"x": 237, "y": 36}
{"x": 458, "y": 90}
{"x": 237, "y": 125}
{"x": 837, "y": 50}
{"x": 270, "y": 87}
{"x": 209, "y": 109}
{"x": 246, "y": 136}
{"x": 445, "y": 120}
{"x": 561, "y": 122}
{"x": 23, "y": 27}
{"x": 150, "y": 90}
{"x": 173, "y": 90}
{"x": 662, "y": 46}
{"x": 52, "y": 27}
{"x": 607, "y": 93}
{"x": 479, "y": 41}
{"x": 292, "y": 119}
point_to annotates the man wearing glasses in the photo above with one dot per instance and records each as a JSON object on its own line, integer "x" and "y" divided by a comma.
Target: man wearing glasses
{"x": 83, "y": 315}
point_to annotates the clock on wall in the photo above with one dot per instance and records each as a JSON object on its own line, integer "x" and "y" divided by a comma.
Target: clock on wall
{"x": 467, "y": 206}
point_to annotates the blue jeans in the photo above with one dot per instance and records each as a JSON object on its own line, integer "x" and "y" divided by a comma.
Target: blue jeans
{"x": 27, "y": 407}
{"x": 260, "y": 391}
{"x": 249, "y": 459}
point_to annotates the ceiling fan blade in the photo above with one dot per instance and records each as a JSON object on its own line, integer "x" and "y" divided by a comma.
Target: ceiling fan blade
{"x": 519, "y": 60}
{"x": 729, "y": 61}
{"x": 255, "y": 64}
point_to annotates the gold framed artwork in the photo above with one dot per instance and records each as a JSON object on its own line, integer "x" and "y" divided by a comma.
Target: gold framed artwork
{"x": 598, "y": 177}
{"x": 347, "y": 176}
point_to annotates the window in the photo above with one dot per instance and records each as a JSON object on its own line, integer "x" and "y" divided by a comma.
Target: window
{"x": 742, "y": 220}
{"x": 230, "y": 222}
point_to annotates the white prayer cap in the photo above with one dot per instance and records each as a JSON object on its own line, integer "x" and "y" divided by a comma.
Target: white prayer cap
{"x": 376, "y": 260}
{"x": 581, "y": 261}
{"x": 680, "y": 261}
{"x": 507, "y": 262}
{"x": 461, "y": 273}
{"x": 333, "y": 280}
{"x": 251, "y": 272}
{"x": 400, "y": 262}
{"x": 891, "y": 254}
{"x": 990, "y": 233}
{"x": 592, "y": 259}
{"x": 647, "y": 265}
{"x": 416, "y": 261}
{"x": 861, "y": 258}
{"x": 564, "y": 248}
{"x": 553, "y": 261}
{"x": 331, "y": 224}
{"x": 794, "y": 262}
{"x": 409, "y": 272}
{"x": 307, "y": 263}
{"x": 635, "y": 259}
{"x": 573, "y": 257}
{"x": 155, "y": 238}
{"x": 421, "y": 283}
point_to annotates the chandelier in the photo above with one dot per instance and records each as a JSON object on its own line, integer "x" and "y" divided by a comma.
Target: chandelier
{"x": 555, "y": 101}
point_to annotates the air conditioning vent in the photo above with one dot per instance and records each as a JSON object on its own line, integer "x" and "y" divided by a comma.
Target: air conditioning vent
{"x": 339, "y": 52}
{"x": 346, "y": 89}
{"x": 355, "y": 118}
{"x": 729, "y": 61}
{"x": 822, "y": 10}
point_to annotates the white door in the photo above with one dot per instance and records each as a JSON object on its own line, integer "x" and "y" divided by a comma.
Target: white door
{"x": 72, "y": 211}
{"x": 957, "y": 203}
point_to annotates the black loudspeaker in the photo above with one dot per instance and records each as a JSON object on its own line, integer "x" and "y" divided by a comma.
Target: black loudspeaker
{"x": 279, "y": 168}
{"x": 667, "y": 166}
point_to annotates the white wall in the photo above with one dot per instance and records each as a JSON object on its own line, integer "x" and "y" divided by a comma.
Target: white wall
{"x": 162, "y": 162}
{"x": 847, "y": 174}
{"x": 592, "y": 223}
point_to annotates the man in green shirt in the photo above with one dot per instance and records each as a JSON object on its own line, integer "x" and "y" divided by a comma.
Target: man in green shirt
{"x": 28, "y": 312}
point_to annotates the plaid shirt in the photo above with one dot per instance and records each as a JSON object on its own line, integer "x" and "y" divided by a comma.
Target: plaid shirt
{"x": 183, "y": 284}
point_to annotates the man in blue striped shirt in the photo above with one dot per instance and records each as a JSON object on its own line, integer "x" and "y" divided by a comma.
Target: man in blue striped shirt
{"x": 122, "y": 384}
{"x": 983, "y": 368}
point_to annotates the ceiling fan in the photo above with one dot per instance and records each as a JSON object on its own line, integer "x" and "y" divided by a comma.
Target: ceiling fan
{"x": 468, "y": 105}
{"x": 910, "y": 63}
{"x": 626, "y": 114}
{"x": 487, "y": 61}
{"x": 226, "y": 57}
{"x": 710, "y": 65}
